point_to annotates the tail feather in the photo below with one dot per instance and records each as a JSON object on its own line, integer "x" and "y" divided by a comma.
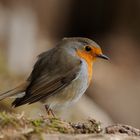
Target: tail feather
{"x": 16, "y": 102}
{"x": 14, "y": 92}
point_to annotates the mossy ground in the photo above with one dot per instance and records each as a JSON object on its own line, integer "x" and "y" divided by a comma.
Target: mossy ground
{"x": 17, "y": 125}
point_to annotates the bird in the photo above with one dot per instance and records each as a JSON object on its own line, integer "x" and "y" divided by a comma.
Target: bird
{"x": 60, "y": 75}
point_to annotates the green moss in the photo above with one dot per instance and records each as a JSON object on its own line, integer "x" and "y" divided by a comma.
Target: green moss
{"x": 6, "y": 119}
{"x": 37, "y": 123}
{"x": 26, "y": 127}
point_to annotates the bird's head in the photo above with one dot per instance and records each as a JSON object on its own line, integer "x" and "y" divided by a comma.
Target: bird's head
{"x": 85, "y": 48}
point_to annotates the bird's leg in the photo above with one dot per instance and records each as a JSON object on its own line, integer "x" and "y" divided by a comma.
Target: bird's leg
{"x": 53, "y": 114}
{"x": 49, "y": 111}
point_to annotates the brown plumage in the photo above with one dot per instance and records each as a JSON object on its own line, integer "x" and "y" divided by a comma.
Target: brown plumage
{"x": 13, "y": 92}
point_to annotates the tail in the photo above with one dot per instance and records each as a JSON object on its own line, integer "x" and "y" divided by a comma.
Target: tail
{"x": 15, "y": 91}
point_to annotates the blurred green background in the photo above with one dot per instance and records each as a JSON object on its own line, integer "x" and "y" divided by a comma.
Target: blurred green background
{"x": 29, "y": 27}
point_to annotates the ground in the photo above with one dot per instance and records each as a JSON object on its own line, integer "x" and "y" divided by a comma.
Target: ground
{"x": 19, "y": 127}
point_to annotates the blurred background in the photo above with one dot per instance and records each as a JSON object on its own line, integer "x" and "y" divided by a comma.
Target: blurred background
{"x": 29, "y": 27}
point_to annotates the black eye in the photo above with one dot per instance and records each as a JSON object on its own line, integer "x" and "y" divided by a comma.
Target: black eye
{"x": 88, "y": 48}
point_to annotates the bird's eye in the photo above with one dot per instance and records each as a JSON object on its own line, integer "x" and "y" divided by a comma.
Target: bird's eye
{"x": 88, "y": 48}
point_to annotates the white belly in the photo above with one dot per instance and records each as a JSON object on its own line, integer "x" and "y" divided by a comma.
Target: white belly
{"x": 72, "y": 92}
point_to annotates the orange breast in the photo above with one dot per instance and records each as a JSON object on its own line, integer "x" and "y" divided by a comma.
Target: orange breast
{"x": 89, "y": 59}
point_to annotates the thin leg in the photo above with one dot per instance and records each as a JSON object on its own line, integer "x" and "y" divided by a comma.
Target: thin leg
{"x": 49, "y": 111}
{"x": 53, "y": 114}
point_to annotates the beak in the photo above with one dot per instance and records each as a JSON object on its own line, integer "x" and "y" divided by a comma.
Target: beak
{"x": 103, "y": 56}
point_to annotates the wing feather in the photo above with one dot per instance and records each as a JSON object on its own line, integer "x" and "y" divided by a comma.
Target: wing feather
{"x": 43, "y": 87}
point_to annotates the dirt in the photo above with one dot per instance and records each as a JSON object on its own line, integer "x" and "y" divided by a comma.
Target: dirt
{"x": 18, "y": 126}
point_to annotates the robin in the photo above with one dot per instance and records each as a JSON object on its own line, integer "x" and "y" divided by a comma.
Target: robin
{"x": 60, "y": 76}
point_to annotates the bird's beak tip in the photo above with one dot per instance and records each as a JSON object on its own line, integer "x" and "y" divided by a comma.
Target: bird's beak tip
{"x": 103, "y": 56}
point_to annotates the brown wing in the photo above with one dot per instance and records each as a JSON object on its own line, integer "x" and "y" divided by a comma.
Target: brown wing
{"x": 43, "y": 87}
